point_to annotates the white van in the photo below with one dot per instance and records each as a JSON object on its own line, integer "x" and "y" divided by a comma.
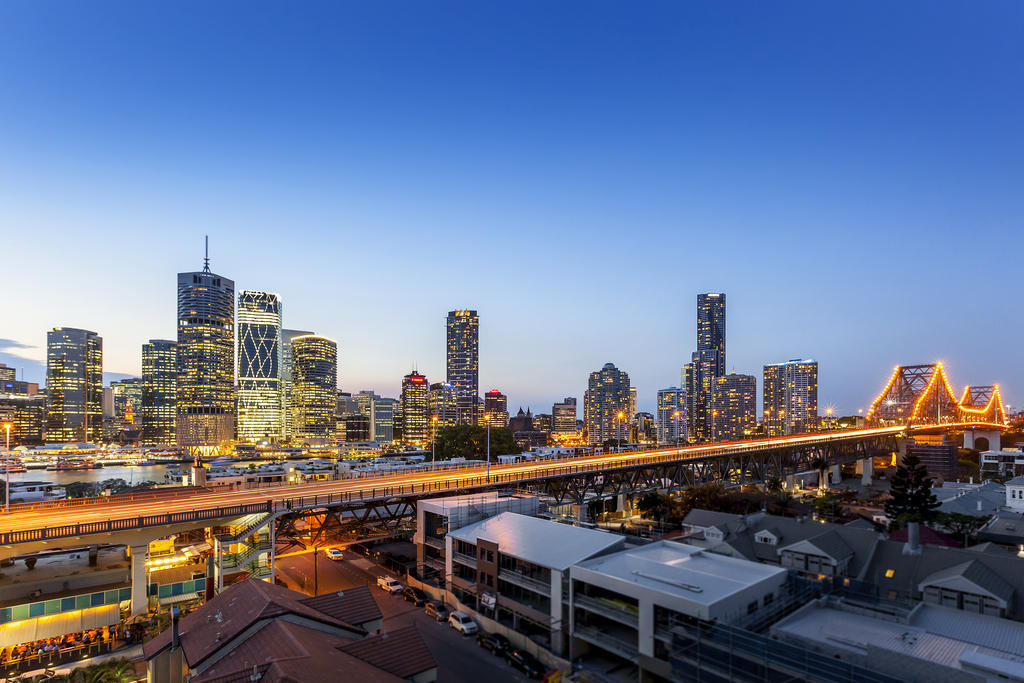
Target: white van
{"x": 389, "y": 584}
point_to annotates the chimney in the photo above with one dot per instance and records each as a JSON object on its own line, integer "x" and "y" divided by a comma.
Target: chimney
{"x": 979, "y": 505}
{"x": 913, "y": 545}
{"x": 175, "y": 636}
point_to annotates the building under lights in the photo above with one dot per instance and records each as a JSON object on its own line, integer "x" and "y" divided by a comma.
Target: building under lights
{"x": 286, "y": 375}
{"x": 74, "y": 385}
{"x": 733, "y": 407}
{"x": 127, "y": 399}
{"x": 463, "y": 362}
{"x": 563, "y": 419}
{"x": 706, "y": 364}
{"x": 159, "y": 382}
{"x": 206, "y": 359}
{"x": 415, "y": 409}
{"x": 260, "y": 397}
{"x": 443, "y": 405}
{"x": 496, "y": 408}
{"x": 790, "y": 397}
{"x": 671, "y": 415}
{"x": 314, "y": 388}
{"x": 608, "y": 404}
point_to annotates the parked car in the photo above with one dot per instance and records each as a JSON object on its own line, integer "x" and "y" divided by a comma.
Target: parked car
{"x": 389, "y": 584}
{"x": 525, "y": 662}
{"x": 436, "y": 610}
{"x": 415, "y": 596}
{"x": 463, "y": 623}
{"x": 334, "y": 554}
{"x": 495, "y": 643}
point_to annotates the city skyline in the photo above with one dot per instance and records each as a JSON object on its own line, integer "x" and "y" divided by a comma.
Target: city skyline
{"x": 833, "y": 182}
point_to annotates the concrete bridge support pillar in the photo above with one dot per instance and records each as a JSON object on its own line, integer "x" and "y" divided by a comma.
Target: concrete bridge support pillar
{"x": 140, "y": 602}
{"x": 866, "y": 468}
{"x": 790, "y": 483}
{"x": 982, "y": 439}
{"x": 624, "y": 505}
{"x": 837, "y": 474}
{"x": 580, "y": 512}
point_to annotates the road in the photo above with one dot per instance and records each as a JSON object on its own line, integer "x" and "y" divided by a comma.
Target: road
{"x": 459, "y": 659}
{"x": 440, "y": 480}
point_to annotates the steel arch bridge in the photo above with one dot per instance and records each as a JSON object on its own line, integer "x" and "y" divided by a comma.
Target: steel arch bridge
{"x": 923, "y": 395}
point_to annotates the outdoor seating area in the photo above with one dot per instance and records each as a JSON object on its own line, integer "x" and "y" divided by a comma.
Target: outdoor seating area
{"x": 58, "y": 650}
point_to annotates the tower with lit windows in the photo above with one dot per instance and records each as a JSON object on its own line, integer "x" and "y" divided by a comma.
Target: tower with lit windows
{"x": 260, "y": 365}
{"x": 443, "y": 406}
{"x": 314, "y": 388}
{"x": 159, "y": 383}
{"x": 415, "y": 410}
{"x": 790, "y": 397}
{"x": 463, "y": 362}
{"x": 496, "y": 408}
{"x": 607, "y": 405}
{"x": 733, "y": 407}
{"x": 706, "y": 364}
{"x": 74, "y": 385}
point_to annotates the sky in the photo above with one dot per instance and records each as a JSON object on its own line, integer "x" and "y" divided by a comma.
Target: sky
{"x": 849, "y": 174}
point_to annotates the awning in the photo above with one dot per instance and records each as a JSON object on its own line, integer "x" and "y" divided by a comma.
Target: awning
{"x": 56, "y": 625}
{"x": 175, "y": 599}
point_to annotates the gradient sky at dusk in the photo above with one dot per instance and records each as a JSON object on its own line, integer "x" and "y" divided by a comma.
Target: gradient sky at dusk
{"x": 849, "y": 174}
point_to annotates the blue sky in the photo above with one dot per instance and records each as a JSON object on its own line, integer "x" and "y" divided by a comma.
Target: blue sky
{"x": 850, "y": 174}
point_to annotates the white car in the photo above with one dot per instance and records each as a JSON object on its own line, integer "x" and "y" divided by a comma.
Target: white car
{"x": 333, "y": 554}
{"x": 461, "y": 622}
{"x": 389, "y": 584}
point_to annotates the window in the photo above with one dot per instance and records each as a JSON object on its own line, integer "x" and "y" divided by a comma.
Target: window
{"x": 752, "y": 607}
{"x": 768, "y": 599}
{"x": 889, "y": 573}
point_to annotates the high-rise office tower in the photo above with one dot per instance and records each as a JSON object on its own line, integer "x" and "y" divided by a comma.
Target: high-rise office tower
{"x": 206, "y": 358}
{"x": 314, "y": 388}
{"x": 74, "y": 385}
{"x": 733, "y": 407}
{"x": 286, "y": 375}
{"x": 443, "y": 405}
{"x": 563, "y": 418}
{"x": 127, "y": 398}
{"x": 607, "y": 405}
{"x": 415, "y": 408}
{"x": 463, "y": 362}
{"x": 496, "y": 408}
{"x": 706, "y": 364}
{"x": 260, "y": 365}
{"x": 671, "y": 416}
{"x": 381, "y": 413}
{"x": 790, "y": 396}
{"x": 159, "y": 381}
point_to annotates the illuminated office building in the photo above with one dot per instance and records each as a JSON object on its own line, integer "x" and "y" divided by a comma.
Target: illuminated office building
{"x": 286, "y": 375}
{"x": 260, "y": 363}
{"x": 314, "y": 388}
{"x": 159, "y": 383}
{"x": 607, "y": 405}
{"x": 443, "y": 405}
{"x": 496, "y": 408}
{"x": 671, "y": 419}
{"x": 463, "y": 362}
{"x": 381, "y": 413}
{"x": 415, "y": 409}
{"x": 27, "y": 416}
{"x": 10, "y": 384}
{"x": 711, "y": 327}
{"x": 706, "y": 364}
{"x": 563, "y": 418}
{"x": 733, "y": 407}
{"x": 74, "y": 385}
{"x": 206, "y": 359}
{"x": 790, "y": 397}
{"x": 127, "y": 399}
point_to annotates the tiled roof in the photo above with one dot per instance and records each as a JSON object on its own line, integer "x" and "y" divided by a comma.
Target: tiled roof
{"x": 976, "y": 573}
{"x": 400, "y": 652}
{"x": 353, "y": 605}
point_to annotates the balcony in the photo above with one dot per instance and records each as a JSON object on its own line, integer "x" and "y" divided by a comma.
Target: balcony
{"x": 608, "y": 608}
{"x": 434, "y": 542}
{"x": 606, "y": 641}
{"x": 525, "y": 581}
{"x": 463, "y": 558}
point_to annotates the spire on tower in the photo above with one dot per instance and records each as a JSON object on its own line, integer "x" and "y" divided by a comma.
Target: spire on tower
{"x": 206, "y": 257}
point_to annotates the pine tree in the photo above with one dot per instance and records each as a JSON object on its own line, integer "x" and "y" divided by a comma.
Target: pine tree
{"x": 911, "y": 490}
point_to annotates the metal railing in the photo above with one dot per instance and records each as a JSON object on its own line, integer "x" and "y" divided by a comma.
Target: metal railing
{"x": 240, "y": 558}
{"x": 607, "y": 608}
{"x": 607, "y": 641}
{"x": 525, "y": 581}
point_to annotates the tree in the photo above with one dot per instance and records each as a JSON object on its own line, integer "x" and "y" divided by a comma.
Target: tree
{"x": 117, "y": 670}
{"x": 959, "y": 524}
{"x": 654, "y": 505}
{"x": 469, "y": 441}
{"x": 829, "y": 506}
{"x": 911, "y": 494}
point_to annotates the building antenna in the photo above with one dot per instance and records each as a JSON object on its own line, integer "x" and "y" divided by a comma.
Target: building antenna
{"x": 206, "y": 256}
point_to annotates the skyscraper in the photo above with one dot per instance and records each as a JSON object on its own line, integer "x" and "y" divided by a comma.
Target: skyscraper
{"x": 260, "y": 365}
{"x": 314, "y": 388}
{"x": 74, "y": 385}
{"x": 671, "y": 416}
{"x": 381, "y": 413}
{"x": 496, "y": 408}
{"x": 563, "y": 418}
{"x": 607, "y": 405}
{"x": 286, "y": 375}
{"x": 706, "y": 364}
{"x": 711, "y": 328}
{"x": 443, "y": 405}
{"x": 790, "y": 396}
{"x": 127, "y": 395}
{"x": 206, "y": 362}
{"x": 463, "y": 362}
{"x": 159, "y": 380}
{"x": 733, "y": 407}
{"x": 415, "y": 399}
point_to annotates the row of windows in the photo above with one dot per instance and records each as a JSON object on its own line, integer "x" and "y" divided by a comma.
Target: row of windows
{"x": 68, "y": 604}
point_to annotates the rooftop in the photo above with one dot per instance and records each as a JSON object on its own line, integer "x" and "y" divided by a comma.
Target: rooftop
{"x": 684, "y": 571}
{"x": 541, "y": 542}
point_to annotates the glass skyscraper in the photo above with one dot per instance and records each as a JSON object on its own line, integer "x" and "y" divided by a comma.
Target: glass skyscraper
{"x": 159, "y": 382}
{"x": 563, "y": 418}
{"x": 74, "y": 385}
{"x": 706, "y": 364}
{"x": 463, "y": 362}
{"x": 286, "y": 374}
{"x": 733, "y": 407}
{"x": 443, "y": 405}
{"x": 671, "y": 415}
{"x": 496, "y": 408}
{"x": 260, "y": 363}
{"x": 314, "y": 388}
{"x": 415, "y": 392}
{"x": 206, "y": 359}
{"x": 608, "y": 405}
{"x": 790, "y": 396}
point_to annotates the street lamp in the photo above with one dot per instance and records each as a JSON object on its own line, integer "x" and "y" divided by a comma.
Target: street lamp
{"x": 7, "y": 469}
{"x": 433, "y": 443}
{"x": 618, "y": 446}
{"x": 487, "y": 419}
{"x": 676, "y": 416}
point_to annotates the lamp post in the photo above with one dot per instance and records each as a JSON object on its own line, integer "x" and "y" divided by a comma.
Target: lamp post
{"x": 487, "y": 419}
{"x": 676, "y": 416}
{"x": 433, "y": 443}
{"x": 7, "y": 469}
{"x": 618, "y": 445}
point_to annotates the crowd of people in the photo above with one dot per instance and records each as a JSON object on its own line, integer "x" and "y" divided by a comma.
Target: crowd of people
{"x": 57, "y": 645}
